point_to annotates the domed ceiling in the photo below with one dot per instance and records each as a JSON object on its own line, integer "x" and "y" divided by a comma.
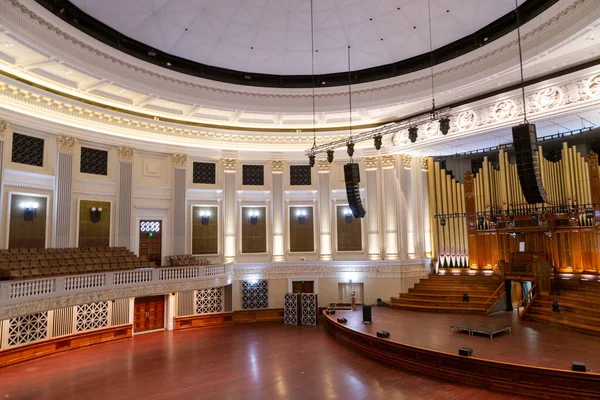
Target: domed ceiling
{"x": 274, "y": 36}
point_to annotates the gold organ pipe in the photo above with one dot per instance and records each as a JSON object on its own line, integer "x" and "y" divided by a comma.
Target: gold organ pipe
{"x": 450, "y": 205}
{"x": 440, "y": 209}
{"x": 567, "y": 174}
{"x": 486, "y": 184}
{"x": 465, "y": 247}
{"x": 444, "y": 209}
{"x": 433, "y": 206}
{"x": 503, "y": 188}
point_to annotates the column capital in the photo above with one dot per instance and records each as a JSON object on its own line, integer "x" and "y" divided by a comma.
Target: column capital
{"x": 180, "y": 161}
{"x": 277, "y": 166}
{"x": 229, "y": 164}
{"x": 388, "y": 162}
{"x": 126, "y": 154}
{"x": 323, "y": 166}
{"x": 424, "y": 164}
{"x": 406, "y": 161}
{"x": 66, "y": 144}
{"x": 4, "y": 129}
{"x": 371, "y": 162}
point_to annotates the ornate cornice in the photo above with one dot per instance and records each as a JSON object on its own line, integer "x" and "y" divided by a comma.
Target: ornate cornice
{"x": 321, "y": 271}
{"x": 93, "y": 193}
{"x": 388, "y": 161}
{"x": 180, "y": 161}
{"x": 323, "y": 166}
{"x": 126, "y": 154}
{"x": 28, "y": 186}
{"x": 66, "y": 144}
{"x": 229, "y": 164}
{"x": 406, "y": 161}
{"x": 536, "y": 32}
{"x": 150, "y": 197}
{"x": 277, "y": 166}
{"x": 5, "y": 128}
{"x": 371, "y": 162}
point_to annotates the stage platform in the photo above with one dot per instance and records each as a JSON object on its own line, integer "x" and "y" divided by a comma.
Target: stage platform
{"x": 481, "y": 328}
{"x": 532, "y": 358}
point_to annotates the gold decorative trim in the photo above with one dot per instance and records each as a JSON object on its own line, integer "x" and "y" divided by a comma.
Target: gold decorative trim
{"x": 424, "y": 164}
{"x": 229, "y": 164}
{"x": 126, "y": 154}
{"x": 388, "y": 162}
{"x": 66, "y": 144}
{"x": 323, "y": 166}
{"x": 277, "y": 166}
{"x": 5, "y": 128}
{"x": 180, "y": 161}
{"x": 406, "y": 161}
{"x": 371, "y": 162}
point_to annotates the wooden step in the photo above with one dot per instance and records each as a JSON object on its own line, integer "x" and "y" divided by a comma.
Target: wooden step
{"x": 434, "y": 296}
{"x": 439, "y": 308}
{"x": 574, "y": 325}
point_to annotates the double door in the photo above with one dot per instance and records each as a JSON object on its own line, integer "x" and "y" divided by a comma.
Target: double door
{"x": 148, "y": 313}
{"x": 151, "y": 241}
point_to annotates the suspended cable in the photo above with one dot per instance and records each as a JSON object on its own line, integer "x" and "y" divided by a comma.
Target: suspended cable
{"x": 312, "y": 54}
{"x": 350, "y": 144}
{"x": 431, "y": 62}
{"x": 521, "y": 60}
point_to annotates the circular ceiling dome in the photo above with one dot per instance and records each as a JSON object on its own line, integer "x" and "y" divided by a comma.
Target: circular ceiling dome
{"x": 274, "y": 36}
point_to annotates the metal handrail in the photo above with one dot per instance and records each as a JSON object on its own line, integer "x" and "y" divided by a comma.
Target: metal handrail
{"x": 498, "y": 293}
{"x": 531, "y": 297}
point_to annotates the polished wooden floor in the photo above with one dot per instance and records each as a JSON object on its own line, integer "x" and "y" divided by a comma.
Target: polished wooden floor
{"x": 246, "y": 361}
{"x": 529, "y": 343}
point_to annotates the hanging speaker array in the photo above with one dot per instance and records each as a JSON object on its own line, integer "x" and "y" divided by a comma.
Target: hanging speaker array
{"x": 528, "y": 164}
{"x": 352, "y": 178}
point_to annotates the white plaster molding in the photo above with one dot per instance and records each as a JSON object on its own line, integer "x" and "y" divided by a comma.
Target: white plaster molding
{"x": 28, "y": 186}
{"x": 94, "y": 193}
{"x": 150, "y": 197}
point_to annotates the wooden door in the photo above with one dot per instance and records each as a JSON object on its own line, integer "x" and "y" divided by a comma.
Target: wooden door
{"x": 303, "y": 287}
{"x": 151, "y": 240}
{"x": 149, "y": 313}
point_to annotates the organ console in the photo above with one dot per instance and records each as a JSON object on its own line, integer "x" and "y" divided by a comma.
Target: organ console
{"x": 485, "y": 218}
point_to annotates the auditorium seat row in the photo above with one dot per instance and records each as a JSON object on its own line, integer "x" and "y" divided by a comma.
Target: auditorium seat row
{"x": 184, "y": 260}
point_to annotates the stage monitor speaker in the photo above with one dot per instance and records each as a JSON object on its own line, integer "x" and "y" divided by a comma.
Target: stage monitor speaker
{"x": 383, "y": 334}
{"x": 352, "y": 178}
{"x": 528, "y": 165}
{"x": 330, "y": 312}
{"x": 465, "y": 351}
{"x": 342, "y": 320}
{"x": 367, "y": 316}
{"x": 578, "y": 366}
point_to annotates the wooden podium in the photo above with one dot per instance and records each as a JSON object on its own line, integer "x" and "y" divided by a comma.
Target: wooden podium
{"x": 526, "y": 266}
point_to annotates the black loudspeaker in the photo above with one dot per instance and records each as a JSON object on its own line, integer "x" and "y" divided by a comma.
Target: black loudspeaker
{"x": 330, "y": 312}
{"x": 342, "y": 320}
{"x": 352, "y": 178}
{"x": 367, "y": 317}
{"x": 465, "y": 351}
{"x": 578, "y": 366}
{"x": 528, "y": 165}
{"x": 383, "y": 334}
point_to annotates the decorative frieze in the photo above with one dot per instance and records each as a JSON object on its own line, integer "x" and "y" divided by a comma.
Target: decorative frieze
{"x": 126, "y": 154}
{"x": 229, "y": 164}
{"x": 180, "y": 161}
{"x": 277, "y": 166}
{"x": 371, "y": 162}
{"x": 323, "y": 166}
{"x": 388, "y": 161}
{"x": 4, "y": 129}
{"x": 66, "y": 144}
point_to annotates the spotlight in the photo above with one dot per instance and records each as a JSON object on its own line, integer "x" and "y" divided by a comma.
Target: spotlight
{"x": 329, "y": 156}
{"x": 311, "y": 160}
{"x": 444, "y": 125}
{"x": 412, "y": 133}
{"x": 378, "y": 139}
{"x": 350, "y": 147}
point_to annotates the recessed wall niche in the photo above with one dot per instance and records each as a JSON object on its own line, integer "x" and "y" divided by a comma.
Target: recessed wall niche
{"x": 94, "y": 223}
{"x": 27, "y": 222}
{"x": 349, "y": 232}
{"x": 302, "y": 235}
{"x": 205, "y": 230}
{"x": 254, "y": 230}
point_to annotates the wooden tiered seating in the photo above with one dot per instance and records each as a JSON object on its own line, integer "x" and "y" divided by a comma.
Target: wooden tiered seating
{"x": 184, "y": 260}
{"x": 444, "y": 293}
{"x": 579, "y": 303}
{"x": 37, "y": 263}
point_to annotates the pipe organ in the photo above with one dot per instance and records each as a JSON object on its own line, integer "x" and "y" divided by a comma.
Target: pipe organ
{"x": 482, "y": 222}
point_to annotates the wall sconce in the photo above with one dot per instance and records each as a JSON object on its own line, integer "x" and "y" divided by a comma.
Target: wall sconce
{"x": 347, "y": 215}
{"x": 301, "y": 217}
{"x": 253, "y": 217}
{"x": 443, "y": 221}
{"x": 95, "y": 214}
{"x": 29, "y": 210}
{"x": 204, "y": 217}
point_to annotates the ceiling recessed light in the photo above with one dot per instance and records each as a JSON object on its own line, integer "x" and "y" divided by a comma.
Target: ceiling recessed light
{"x": 168, "y": 64}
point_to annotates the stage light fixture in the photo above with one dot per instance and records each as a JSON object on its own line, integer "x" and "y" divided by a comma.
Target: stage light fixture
{"x": 444, "y": 125}
{"x": 378, "y": 141}
{"x": 311, "y": 160}
{"x": 413, "y": 133}
{"x": 350, "y": 149}
{"x": 330, "y": 156}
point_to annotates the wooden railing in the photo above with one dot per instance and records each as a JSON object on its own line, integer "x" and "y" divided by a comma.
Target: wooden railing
{"x": 530, "y": 296}
{"x": 493, "y": 299}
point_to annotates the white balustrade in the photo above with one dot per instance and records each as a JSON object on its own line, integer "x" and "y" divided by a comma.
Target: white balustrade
{"x": 78, "y": 282}
{"x": 31, "y": 288}
{"x": 214, "y": 270}
{"x": 179, "y": 273}
{"x": 129, "y": 277}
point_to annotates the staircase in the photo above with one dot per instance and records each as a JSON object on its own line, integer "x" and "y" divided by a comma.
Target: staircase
{"x": 444, "y": 293}
{"x": 579, "y": 303}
